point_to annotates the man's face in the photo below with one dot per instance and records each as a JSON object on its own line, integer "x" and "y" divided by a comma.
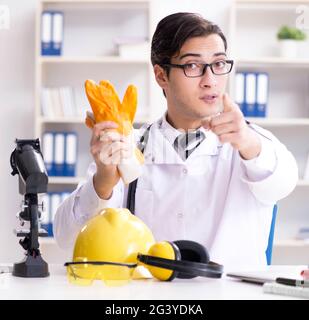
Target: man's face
{"x": 197, "y": 98}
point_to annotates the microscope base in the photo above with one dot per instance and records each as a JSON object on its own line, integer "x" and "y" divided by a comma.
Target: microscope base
{"x": 31, "y": 267}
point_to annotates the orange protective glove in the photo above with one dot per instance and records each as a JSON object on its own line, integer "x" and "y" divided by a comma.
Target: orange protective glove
{"x": 106, "y": 106}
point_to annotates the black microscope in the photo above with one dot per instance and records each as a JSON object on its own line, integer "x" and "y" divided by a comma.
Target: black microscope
{"x": 27, "y": 161}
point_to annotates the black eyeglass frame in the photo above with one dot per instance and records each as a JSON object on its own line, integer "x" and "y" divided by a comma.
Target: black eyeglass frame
{"x": 205, "y": 66}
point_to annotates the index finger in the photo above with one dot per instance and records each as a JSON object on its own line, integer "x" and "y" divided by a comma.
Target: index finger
{"x": 221, "y": 119}
{"x": 229, "y": 105}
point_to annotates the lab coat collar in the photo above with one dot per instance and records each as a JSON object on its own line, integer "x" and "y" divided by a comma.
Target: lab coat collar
{"x": 171, "y": 133}
{"x": 159, "y": 149}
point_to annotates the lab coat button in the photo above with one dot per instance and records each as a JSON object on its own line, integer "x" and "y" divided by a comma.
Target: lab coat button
{"x": 180, "y": 215}
{"x": 151, "y": 157}
{"x": 185, "y": 171}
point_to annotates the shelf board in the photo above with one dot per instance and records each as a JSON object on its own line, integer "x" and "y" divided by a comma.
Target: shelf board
{"x": 279, "y": 122}
{"x": 77, "y": 180}
{"x": 279, "y": 243}
{"x": 65, "y": 180}
{"x": 271, "y": 1}
{"x": 47, "y": 240}
{"x": 272, "y": 62}
{"x": 103, "y": 59}
{"x": 291, "y": 243}
{"x": 66, "y": 120}
{"x": 303, "y": 183}
{"x": 269, "y": 4}
{"x": 81, "y": 120}
{"x": 94, "y": 4}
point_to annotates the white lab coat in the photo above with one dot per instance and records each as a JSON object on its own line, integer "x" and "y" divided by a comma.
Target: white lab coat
{"x": 214, "y": 197}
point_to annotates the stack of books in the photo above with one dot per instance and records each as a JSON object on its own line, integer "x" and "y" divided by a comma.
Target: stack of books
{"x": 60, "y": 153}
{"x": 252, "y": 93}
{"x": 51, "y": 33}
{"x": 51, "y": 202}
{"x": 58, "y": 102}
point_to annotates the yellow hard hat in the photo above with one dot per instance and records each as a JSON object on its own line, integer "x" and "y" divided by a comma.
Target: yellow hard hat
{"x": 113, "y": 235}
{"x": 113, "y": 238}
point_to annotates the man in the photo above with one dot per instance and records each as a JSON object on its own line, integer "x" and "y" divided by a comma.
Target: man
{"x": 217, "y": 186}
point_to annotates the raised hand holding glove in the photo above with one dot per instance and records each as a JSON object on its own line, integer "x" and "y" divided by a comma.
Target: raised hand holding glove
{"x": 106, "y": 106}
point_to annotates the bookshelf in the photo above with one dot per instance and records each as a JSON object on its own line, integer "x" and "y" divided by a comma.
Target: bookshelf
{"x": 65, "y": 180}
{"x": 90, "y": 51}
{"x": 255, "y": 49}
{"x": 96, "y": 56}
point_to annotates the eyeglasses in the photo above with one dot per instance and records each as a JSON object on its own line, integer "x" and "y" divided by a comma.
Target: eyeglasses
{"x": 194, "y": 70}
{"x": 111, "y": 273}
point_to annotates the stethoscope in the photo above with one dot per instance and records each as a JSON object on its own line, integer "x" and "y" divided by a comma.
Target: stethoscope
{"x": 141, "y": 145}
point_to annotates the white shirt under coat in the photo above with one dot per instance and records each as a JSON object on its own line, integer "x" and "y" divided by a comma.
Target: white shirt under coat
{"x": 214, "y": 197}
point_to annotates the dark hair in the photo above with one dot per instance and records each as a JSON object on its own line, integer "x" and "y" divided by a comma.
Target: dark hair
{"x": 174, "y": 30}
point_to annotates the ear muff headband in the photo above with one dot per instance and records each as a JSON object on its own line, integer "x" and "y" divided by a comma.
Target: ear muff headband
{"x": 210, "y": 270}
{"x": 190, "y": 251}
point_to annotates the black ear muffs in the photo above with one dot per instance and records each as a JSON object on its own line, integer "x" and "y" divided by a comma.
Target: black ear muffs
{"x": 182, "y": 259}
{"x": 191, "y": 251}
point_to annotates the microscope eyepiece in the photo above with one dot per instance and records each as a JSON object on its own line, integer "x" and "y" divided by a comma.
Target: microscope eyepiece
{"x": 27, "y": 161}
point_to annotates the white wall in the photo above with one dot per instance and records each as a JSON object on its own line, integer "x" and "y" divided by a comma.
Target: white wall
{"x": 16, "y": 105}
{"x": 17, "y": 95}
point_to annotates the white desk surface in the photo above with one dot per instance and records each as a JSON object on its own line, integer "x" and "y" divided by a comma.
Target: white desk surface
{"x": 56, "y": 286}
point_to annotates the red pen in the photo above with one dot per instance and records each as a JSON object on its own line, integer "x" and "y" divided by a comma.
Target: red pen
{"x": 305, "y": 274}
